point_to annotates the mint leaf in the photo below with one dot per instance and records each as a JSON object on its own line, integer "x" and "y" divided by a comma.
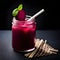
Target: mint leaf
{"x": 15, "y": 12}
{"x": 20, "y": 7}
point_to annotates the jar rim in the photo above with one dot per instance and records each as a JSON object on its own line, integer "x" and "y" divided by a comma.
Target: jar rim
{"x": 27, "y": 17}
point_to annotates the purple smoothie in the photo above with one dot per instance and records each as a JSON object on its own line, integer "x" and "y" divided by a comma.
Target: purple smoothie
{"x": 23, "y": 35}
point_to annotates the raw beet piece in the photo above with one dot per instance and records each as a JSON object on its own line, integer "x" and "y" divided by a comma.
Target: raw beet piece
{"x": 21, "y": 15}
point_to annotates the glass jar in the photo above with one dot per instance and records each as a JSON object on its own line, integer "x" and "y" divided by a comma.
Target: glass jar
{"x": 23, "y": 35}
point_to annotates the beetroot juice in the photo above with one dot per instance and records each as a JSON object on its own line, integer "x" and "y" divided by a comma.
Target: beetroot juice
{"x": 23, "y": 35}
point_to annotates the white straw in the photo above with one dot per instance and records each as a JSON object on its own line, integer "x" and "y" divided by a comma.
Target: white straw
{"x": 34, "y": 16}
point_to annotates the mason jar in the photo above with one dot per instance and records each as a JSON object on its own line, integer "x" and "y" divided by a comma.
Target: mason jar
{"x": 23, "y": 34}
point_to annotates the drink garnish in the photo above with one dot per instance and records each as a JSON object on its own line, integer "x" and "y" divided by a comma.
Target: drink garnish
{"x": 19, "y": 13}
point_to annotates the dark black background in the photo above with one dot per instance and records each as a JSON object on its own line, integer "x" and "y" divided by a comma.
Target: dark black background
{"x": 48, "y": 20}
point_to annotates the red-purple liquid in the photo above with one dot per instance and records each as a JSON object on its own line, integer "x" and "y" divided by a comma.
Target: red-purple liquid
{"x": 23, "y": 35}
